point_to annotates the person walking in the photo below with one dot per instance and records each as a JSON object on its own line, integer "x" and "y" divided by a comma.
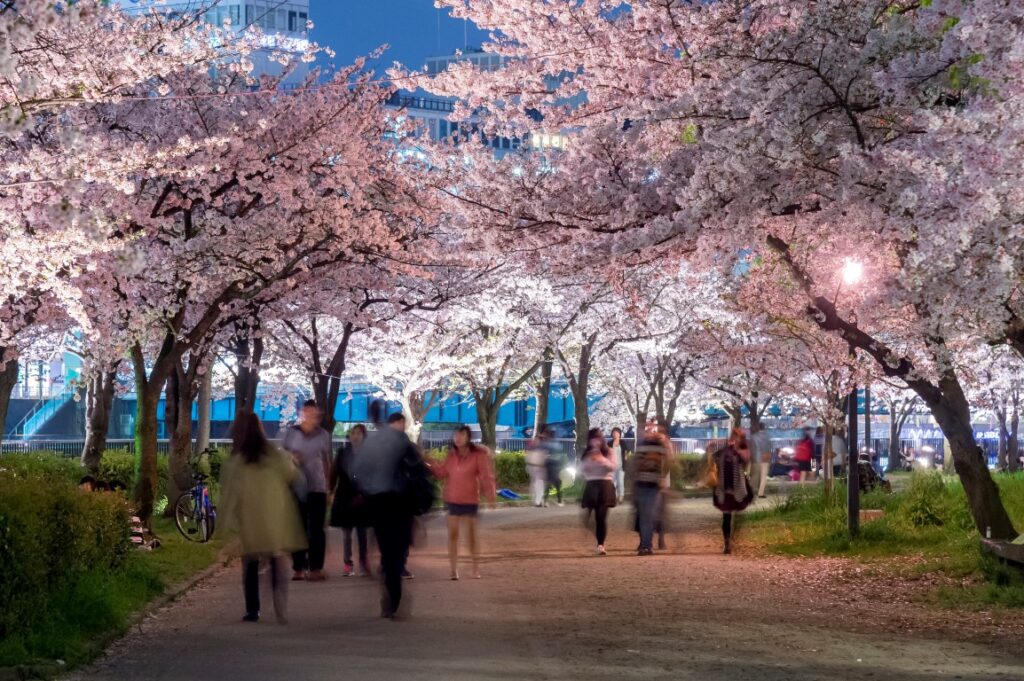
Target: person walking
{"x": 650, "y": 464}
{"x": 804, "y": 456}
{"x": 598, "y": 469}
{"x": 257, "y": 503}
{"x": 733, "y": 492}
{"x": 761, "y": 456}
{"x": 554, "y": 463}
{"x": 536, "y": 467}
{"x": 619, "y": 452}
{"x": 311, "y": 446}
{"x": 381, "y": 468}
{"x": 468, "y": 475}
{"x": 348, "y": 509}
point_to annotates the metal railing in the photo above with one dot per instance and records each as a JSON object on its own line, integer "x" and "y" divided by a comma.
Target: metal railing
{"x": 41, "y": 412}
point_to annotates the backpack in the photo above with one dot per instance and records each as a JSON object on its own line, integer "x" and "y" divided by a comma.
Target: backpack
{"x": 416, "y": 482}
{"x": 648, "y": 462}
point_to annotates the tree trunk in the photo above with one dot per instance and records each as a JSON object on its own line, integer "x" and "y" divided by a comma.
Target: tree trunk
{"x": 205, "y": 406}
{"x": 540, "y": 416}
{"x": 145, "y": 450}
{"x": 641, "y": 425}
{"x": 954, "y": 418}
{"x": 754, "y": 415}
{"x": 826, "y": 460}
{"x": 99, "y": 401}
{"x": 487, "y": 417}
{"x": 248, "y": 355}
{"x": 582, "y": 416}
{"x": 1004, "y": 436}
{"x": 180, "y": 392}
{"x": 895, "y": 458}
{"x": 8, "y": 379}
{"x": 416, "y": 406}
{"x": 735, "y": 413}
{"x": 1013, "y": 443}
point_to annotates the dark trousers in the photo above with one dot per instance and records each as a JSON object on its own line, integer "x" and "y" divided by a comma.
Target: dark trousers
{"x": 601, "y": 524}
{"x": 554, "y": 480}
{"x": 392, "y": 524}
{"x": 346, "y": 535}
{"x": 251, "y": 583}
{"x": 646, "y": 497}
{"x": 727, "y": 527}
{"x": 314, "y": 513}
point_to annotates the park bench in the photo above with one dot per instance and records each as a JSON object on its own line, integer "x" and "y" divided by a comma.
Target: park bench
{"x": 1008, "y": 551}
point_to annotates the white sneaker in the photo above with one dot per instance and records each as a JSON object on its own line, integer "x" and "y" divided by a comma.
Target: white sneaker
{"x": 601, "y": 551}
{"x": 560, "y": 504}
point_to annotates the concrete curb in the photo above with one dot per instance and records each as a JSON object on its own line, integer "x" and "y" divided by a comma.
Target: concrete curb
{"x": 51, "y": 670}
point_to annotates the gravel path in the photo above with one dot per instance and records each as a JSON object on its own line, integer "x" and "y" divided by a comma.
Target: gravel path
{"x": 548, "y": 608}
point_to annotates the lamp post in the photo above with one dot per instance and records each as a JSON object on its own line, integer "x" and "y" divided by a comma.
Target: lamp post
{"x": 852, "y": 474}
{"x": 852, "y": 273}
{"x": 867, "y": 423}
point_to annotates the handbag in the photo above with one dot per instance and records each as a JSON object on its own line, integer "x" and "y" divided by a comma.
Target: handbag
{"x": 709, "y": 478}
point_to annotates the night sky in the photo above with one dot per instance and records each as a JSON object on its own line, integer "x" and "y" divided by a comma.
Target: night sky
{"x": 355, "y": 27}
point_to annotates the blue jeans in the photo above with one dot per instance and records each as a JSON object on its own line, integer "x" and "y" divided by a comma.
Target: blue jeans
{"x": 646, "y": 498}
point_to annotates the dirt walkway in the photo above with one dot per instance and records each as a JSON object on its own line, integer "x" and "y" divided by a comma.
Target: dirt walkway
{"x": 548, "y": 608}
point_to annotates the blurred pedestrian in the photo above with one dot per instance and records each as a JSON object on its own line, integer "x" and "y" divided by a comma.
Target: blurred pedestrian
{"x": 348, "y": 510}
{"x": 661, "y": 432}
{"x": 468, "y": 475}
{"x": 311, "y": 446}
{"x": 761, "y": 456}
{"x": 619, "y": 453}
{"x": 650, "y": 464}
{"x": 733, "y": 492}
{"x": 598, "y": 469}
{"x": 536, "y": 467}
{"x": 554, "y": 463}
{"x": 803, "y": 454}
{"x": 382, "y": 468}
{"x": 258, "y": 504}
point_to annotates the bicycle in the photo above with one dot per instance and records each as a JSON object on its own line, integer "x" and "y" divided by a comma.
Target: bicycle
{"x": 194, "y": 512}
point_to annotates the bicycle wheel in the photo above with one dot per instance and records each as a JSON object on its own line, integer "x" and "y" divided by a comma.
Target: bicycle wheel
{"x": 189, "y": 518}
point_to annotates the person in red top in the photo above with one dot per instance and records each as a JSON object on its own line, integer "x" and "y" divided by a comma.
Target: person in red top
{"x": 804, "y": 454}
{"x": 468, "y": 475}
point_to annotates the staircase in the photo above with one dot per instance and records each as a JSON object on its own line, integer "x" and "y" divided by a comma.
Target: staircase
{"x": 41, "y": 413}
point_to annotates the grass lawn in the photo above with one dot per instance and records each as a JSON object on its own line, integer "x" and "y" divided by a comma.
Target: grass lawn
{"x": 95, "y": 605}
{"x": 926, "y": 529}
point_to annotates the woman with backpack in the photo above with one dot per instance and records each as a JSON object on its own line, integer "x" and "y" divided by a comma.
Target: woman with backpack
{"x": 598, "y": 469}
{"x": 733, "y": 492}
{"x": 259, "y": 505}
{"x": 467, "y": 474}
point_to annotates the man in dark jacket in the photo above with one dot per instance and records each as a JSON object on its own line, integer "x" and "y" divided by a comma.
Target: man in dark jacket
{"x": 377, "y": 473}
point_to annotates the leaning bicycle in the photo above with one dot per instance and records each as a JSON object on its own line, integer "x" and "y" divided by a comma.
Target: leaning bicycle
{"x": 194, "y": 512}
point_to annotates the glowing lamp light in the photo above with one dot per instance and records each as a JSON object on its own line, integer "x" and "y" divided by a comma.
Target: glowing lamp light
{"x": 787, "y": 450}
{"x": 700, "y": 450}
{"x": 853, "y": 270}
{"x": 924, "y": 461}
{"x": 928, "y": 448}
{"x": 571, "y": 470}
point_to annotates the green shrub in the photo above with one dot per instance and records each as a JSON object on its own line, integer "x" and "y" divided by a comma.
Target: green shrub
{"x": 510, "y": 470}
{"x": 51, "y": 535}
{"x": 687, "y": 469}
{"x": 42, "y": 465}
{"x": 929, "y": 502}
{"x": 118, "y": 464}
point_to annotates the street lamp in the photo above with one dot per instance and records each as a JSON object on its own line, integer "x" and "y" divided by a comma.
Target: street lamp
{"x": 853, "y": 271}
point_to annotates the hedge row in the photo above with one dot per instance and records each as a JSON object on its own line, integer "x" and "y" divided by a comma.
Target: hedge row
{"x": 52, "y": 535}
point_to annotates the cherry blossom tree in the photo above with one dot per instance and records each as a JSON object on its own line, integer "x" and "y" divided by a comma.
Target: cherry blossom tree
{"x": 811, "y": 132}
